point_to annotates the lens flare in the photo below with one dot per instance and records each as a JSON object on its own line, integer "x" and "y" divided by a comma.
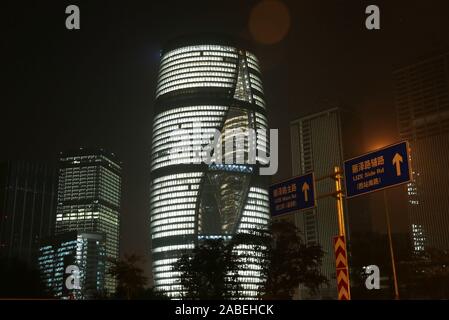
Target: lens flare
{"x": 269, "y": 22}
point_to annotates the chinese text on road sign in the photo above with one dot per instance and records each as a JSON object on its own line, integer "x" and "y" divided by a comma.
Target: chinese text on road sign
{"x": 292, "y": 195}
{"x": 378, "y": 170}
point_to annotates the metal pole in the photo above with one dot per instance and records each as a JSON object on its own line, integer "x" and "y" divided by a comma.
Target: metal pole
{"x": 393, "y": 263}
{"x": 338, "y": 175}
{"x": 339, "y": 194}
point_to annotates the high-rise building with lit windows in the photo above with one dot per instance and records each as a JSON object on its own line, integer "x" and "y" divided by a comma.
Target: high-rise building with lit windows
{"x": 206, "y": 86}
{"x": 422, "y": 105}
{"x": 89, "y": 196}
{"x": 319, "y": 142}
{"x": 73, "y": 254}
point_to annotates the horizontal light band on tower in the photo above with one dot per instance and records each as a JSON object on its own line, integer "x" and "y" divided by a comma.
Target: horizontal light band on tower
{"x": 165, "y": 140}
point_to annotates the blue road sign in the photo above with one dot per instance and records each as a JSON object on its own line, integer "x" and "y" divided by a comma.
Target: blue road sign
{"x": 377, "y": 170}
{"x": 292, "y": 195}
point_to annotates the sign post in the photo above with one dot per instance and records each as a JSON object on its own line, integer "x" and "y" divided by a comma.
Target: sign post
{"x": 374, "y": 171}
{"x": 341, "y": 263}
{"x": 341, "y": 256}
{"x": 339, "y": 195}
{"x": 390, "y": 241}
{"x": 299, "y": 194}
{"x": 379, "y": 170}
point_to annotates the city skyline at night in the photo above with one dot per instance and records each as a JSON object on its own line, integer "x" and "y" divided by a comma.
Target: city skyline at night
{"x": 115, "y": 139}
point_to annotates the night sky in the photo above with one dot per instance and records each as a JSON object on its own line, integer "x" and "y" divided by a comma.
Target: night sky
{"x": 62, "y": 89}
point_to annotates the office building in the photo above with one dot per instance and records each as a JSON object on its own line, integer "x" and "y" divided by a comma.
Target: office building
{"x": 72, "y": 265}
{"x": 320, "y": 142}
{"x": 422, "y": 105}
{"x": 206, "y": 86}
{"x": 27, "y": 208}
{"x": 89, "y": 195}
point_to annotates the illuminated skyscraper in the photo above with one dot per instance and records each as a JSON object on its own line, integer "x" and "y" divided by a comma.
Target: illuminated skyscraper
{"x": 422, "y": 105}
{"x": 58, "y": 255}
{"x": 89, "y": 195}
{"x": 203, "y": 86}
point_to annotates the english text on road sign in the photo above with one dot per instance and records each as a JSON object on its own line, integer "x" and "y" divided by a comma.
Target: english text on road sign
{"x": 380, "y": 169}
{"x": 341, "y": 263}
{"x": 292, "y": 195}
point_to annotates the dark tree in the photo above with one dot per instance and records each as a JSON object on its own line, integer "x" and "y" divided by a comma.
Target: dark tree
{"x": 152, "y": 294}
{"x": 209, "y": 272}
{"x": 130, "y": 277}
{"x": 19, "y": 280}
{"x": 290, "y": 262}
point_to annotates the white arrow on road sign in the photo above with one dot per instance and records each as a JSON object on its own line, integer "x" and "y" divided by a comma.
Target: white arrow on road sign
{"x": 397, "y": 160}
{"x": 295, "y": 194}
{"x": 305, "y": 189}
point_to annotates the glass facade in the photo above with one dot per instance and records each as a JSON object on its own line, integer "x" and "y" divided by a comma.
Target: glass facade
{"x": 205, "y": 88}
{"x": 86, "y": 251}
{"x": 27, "y": 208}
{"x": 89, "y": 195}
{"x": 422, "y": 108}
{"x": 319, "y": 142}
{"x": 317, "y": 145}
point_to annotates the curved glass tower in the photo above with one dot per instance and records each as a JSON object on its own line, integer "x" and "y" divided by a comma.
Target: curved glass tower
{"x": 209, "y": 103}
